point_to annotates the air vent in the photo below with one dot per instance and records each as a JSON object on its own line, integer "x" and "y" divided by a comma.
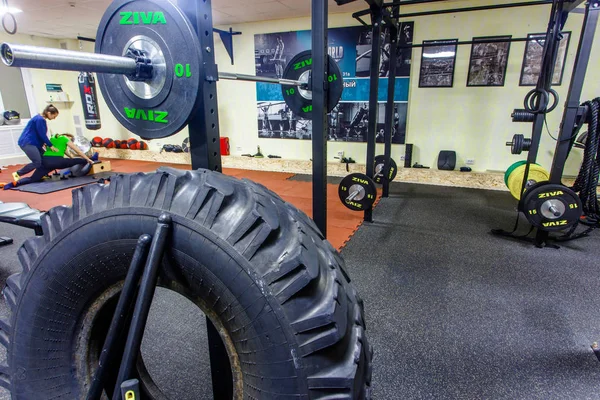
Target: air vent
{"x": 63, "y": 45}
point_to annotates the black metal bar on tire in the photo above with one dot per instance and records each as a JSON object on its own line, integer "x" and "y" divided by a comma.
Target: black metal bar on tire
{"x": 143, "y": 303}
{"x": 123, "y": 308}
{"x": 320, "y": 93}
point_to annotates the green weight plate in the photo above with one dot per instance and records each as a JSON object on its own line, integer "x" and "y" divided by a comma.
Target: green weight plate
{"x": 511, "y": 169}
{"x": 162, "y": 106}
{"x": 300, "y": 100}
{"x": 380, "y": 174}
{"x": 551, "y": 207}
{"x": 357, "y": 192}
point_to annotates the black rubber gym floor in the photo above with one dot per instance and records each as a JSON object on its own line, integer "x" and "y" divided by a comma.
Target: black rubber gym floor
{"x": 456, "y": 313}
{"x": 452, "y": 311}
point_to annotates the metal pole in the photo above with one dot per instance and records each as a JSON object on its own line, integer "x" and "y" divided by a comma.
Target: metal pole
{"x": 565, "y": 138}
{"x": 470, "y": 42}
{"x": 16, "y": 55}
{"x": 389, "y": 110}
{"x": 143, "y": 303}
{"x": 376, "y": 19}
{"x": 206, "y": 153}
{"x": 254, "y": 78}
{"x": 478, "y": 8}
{"x": 544, "y": 82}
{"x": 107, "y": 356}
{"x": 320, "y": 94}
{"x": 203, "y": 127}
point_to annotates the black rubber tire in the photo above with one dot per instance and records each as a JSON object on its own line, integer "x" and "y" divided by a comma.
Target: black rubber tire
{"x": 261, "y": 267}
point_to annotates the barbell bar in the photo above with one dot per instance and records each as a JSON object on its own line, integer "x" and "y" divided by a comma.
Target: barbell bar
{"x": 24, "y": 56}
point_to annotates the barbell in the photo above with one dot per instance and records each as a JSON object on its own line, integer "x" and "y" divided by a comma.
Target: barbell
{"x": 17, "y": 55}
{"x": 150, "y": 68}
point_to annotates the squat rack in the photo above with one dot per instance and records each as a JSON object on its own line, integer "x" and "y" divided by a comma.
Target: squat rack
{"x": 205, "y": 153}
{"x": 389, "y": 13}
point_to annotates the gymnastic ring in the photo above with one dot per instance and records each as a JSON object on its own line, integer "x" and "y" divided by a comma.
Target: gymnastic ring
{"x": 14, "y": 20}
{"x": 556, "y": 100}
{"x": 532, "y": 96}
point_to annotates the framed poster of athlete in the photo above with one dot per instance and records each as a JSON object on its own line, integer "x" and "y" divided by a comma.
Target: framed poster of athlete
{"x": 487, "y": 66}
{"x": 351, "y": 48}
{"x": 437, "y": 63}
{"x": 532, "y": 59}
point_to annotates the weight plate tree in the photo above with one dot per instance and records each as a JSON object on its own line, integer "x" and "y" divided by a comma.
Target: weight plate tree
{"x": 357, "y": 192}
{"x": 551, "y": 207}
{"x": 257, "y": 267}
{"x": 380, "y": 174}
{"x": 161, "y": 106}
{"x": 300, "y": 100}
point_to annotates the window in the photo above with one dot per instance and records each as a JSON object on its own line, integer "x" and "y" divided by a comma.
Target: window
{"x": 12, "y": 91}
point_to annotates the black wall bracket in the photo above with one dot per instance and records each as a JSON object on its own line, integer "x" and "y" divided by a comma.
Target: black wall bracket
{"x": 227, "y": 39}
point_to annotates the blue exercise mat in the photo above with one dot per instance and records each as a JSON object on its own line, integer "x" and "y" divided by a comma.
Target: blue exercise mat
{"x": 50, "y": 186}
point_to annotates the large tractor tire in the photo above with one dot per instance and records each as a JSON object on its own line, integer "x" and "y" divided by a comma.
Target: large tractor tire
{"x": 259, "y": 269}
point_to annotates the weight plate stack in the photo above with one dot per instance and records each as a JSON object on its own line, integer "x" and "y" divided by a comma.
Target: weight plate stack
{"x": 551, "y": 207}
{"x": 162, "y": 106}
{"x": 380, "y": 174}
{"x": 357, "y": 192}
{"x": 513, "y": 178}
{"x": 300, "y": 100}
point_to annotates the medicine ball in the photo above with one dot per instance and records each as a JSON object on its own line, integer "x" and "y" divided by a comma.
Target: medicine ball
{"x": 108, "y": 143}
{"x": 123, "y": 145}
{"x": 117, "y": 144}
{"x": 131, "y": 142}
{"x": 142, "y": 145}
{"x": 135, "y": 146}
{"x": 97, "y": 141}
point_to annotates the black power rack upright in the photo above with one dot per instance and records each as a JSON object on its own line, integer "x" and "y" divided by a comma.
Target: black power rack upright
{"x": 574, "y": 114}
{"x": 382, "y": 14}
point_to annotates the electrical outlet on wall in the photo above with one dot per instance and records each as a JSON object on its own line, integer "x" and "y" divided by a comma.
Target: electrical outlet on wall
{"x": 470, "y": 161}
{"x": 340, "y": 154}
{"x": 402, "y": 158}
{"x": 238, "y": 148}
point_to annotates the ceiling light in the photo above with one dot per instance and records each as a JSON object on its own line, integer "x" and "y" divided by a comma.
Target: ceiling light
{"x": 11, "y": 10}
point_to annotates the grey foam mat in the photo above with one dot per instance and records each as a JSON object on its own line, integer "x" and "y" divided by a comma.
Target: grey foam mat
{"x": 50, "y": 186}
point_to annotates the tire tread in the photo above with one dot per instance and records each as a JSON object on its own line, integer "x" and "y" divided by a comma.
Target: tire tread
{"x": 289, "y": 253}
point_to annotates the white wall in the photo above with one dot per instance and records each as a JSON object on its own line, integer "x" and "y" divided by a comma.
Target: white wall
{"x": 39, "y": 77}
{"x": 475, "y": 122}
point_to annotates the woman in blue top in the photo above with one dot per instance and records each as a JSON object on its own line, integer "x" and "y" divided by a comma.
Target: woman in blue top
{"x": 33, "y": 138}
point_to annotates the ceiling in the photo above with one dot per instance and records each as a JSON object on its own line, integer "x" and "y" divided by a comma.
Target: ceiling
{"x": 71, "y": 18}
